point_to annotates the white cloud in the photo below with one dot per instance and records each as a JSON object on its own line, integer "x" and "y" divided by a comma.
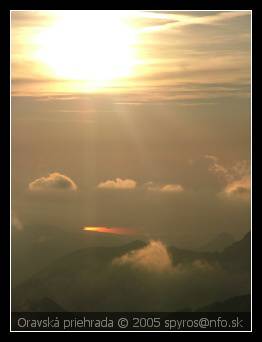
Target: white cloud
{"x": 239, "y": 188}
{"x": 236, "y": 179}
{"x": 174, "y": 20}
{"x": 118, "y": 183}
{"x": 54, "y": 181}
{"x": 172, "y": 188}
{"x": 153, "y": 257}
{"x": 216, "y": 168}
{"x": 239, "y": 169}
{"x": 16, "y": 222}
{"x": 175, "y": 188}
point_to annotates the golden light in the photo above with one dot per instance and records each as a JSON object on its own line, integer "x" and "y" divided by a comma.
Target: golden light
{"x": 96, "y": 47}
{"x": 110, "y": 230}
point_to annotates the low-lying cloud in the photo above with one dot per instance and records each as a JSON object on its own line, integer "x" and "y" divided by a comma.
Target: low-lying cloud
{"x": 173, "y": 188}
{"x": 54, "y": 181}
{"x": 16, "y": 222}
{"x": 239, "y": 188}
{"x": 153, "y": 257}
{"x": 118, "y": 184}
{"x": 127, "y": 184}
{"x": 236, "y": 179}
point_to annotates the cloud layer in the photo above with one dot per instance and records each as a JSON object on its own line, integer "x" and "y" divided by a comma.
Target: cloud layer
{"x": 54, "y": 181}
{"x": 174, "y": 47}
{"x": 127, "y": 184}
{"x": 236, "y": 179}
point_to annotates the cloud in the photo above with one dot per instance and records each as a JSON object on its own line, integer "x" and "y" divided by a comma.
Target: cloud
{"x": 124, "y": 184}
{"x": 153, "y": 257}
{"x": 216, "y": 168}
{"x": 118, "y": 183}
{"x": 16, "y": 222}
{"x": 236, "y": 178}
{"x": 225, "y": 58}
{"x": 54, "y": 181}
{"x": 174, "y": 20}
{"x": 172, "y": 188}
{"x": 175, "y": 188}
{"x": 239, "y": 188}
{"x": 148, "y": 279}
{"x": 237, "y": 171}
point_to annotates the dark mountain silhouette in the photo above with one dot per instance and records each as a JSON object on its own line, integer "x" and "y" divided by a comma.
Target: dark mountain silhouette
{"x": 85, "y": 280}
{"x": 218, "y": 244}
{"x": 237, "y": 257}
{"x": 36, "y": 247}
{"x": 29, "y": 294}
{"x": 42, "y": 305}
{"x": 234, "y": 304}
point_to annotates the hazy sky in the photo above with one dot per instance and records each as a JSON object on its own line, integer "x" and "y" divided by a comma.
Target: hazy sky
{"x": 137, "y": 120}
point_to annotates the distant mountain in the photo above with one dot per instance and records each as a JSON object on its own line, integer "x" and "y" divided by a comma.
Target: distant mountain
{"x": 85, "y": 280}
{"x": 218, "y": 244}
{"x": 234, "y": 304}
{"x": 28, "y": 295}
{"x": 237, "y": 257}
{"x": 42, "y": 305}
{"x": 36, "y": 247}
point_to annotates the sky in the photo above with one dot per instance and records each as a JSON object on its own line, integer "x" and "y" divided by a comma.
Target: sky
{"x": 134, "y": 120}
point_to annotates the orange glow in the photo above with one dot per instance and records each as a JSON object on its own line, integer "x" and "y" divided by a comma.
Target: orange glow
{"x": 111, "y": 230}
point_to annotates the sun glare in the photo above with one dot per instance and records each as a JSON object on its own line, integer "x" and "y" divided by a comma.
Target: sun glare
{"x": 96, "y": 47}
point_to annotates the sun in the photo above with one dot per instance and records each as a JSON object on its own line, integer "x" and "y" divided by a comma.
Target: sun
{"x": 97, "y": 47}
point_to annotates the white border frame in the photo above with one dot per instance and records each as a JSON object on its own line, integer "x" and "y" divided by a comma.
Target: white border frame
{"x": 251, "y": 158}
